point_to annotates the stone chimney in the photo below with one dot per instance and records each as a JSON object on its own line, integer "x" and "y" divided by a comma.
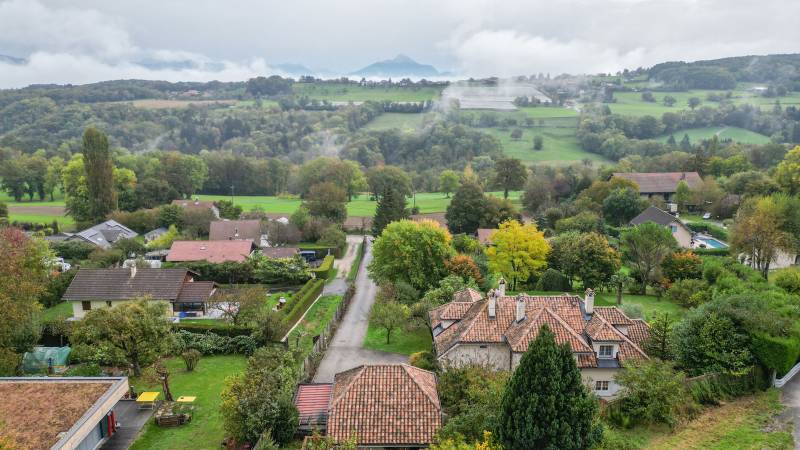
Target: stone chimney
{"x": 588, "y": 301}
{"x": 520, "y": 316}
{"x": 133, "y": 269}
{"x": 501, "y": 287}
{"x": 492, "y": 304}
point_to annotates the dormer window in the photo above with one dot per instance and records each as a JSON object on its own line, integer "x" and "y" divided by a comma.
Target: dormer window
{"x": 605, "y": 351}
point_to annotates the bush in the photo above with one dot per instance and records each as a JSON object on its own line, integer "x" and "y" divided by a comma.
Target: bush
{"x": 221, "y": 330}
{"x": 190, "y": 358}
{"x": 712, "y": 388}
{"x": 333, "y": 236}
{"x": 55, "y": 288}
{"x": 424, "y": 360}
{"x": 688, "y": 293}
{"x": 552, "y": 280}
{"x": 214, "y": 344}
{"x": 84, "y": 370}
{"x": 325, "y": 269}
{"x": 713, "y": 251}
{"x": 652, "y": 392}
{"x": 682, "y": 265}
{"x": 301, "y": 301}
{"x": 710, "y": 228}
{"x": 788, "y": 280}
{"x": 777, "y": 353}
{"x": 73, "y": 250}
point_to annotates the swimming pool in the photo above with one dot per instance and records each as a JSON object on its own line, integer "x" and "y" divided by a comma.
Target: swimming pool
{"x": 713, "y": 243}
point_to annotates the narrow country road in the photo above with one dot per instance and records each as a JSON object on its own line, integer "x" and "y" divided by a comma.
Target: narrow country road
{"x": 345, "y": 351}
{"x": 790, "y": 396}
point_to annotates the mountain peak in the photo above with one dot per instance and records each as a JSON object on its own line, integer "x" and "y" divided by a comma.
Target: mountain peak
{"x": 400, "y": 66}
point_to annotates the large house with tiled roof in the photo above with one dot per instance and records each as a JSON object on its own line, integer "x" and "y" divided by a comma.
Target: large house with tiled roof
{"x": 664, "y": 184}
{"x": 498, "y": 329}
{"x": 381, "y": 406}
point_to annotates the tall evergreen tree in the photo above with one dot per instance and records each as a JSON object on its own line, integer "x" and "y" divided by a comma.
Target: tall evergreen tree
{"x": 391, "y": 207}
{"x": 99, "y": 174}
{"x": 546, "y": 405}
{"x": 466, "y": 209}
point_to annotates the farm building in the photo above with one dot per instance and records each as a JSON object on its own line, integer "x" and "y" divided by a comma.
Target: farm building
{"x": 41, "y": 413}
{"x": 661, "y": 183}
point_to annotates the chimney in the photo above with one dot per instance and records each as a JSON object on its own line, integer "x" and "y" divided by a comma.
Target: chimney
{"x": 501, "y": 287}
{"x": 492, "y": 304}
{"x": 520, "y": 316}
{"x": 133, "y": 269}
{"x": 588, "y": 301}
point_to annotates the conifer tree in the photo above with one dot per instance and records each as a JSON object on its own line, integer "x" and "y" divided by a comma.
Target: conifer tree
{"x": 391, "y": 207}
{"x": 545, "y": 404}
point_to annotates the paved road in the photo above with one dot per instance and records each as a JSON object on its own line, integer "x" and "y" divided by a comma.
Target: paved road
{"x": 790, "y": 396}
{"x": 345, "y": 351}
{"x": 338, "y": 285}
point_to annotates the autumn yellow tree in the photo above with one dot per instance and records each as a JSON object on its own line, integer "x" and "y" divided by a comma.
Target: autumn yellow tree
{"x": 788, "y": 172}
{"x": 518, "y": 251}
{"x": 759, "y": 231}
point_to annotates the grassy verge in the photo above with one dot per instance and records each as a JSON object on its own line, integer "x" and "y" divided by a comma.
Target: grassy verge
{"x": 206, "y": 382}
{"x": 62, "y": 310}
{"x": 745, "y": 423}
{"x": 650, "y": 304}
{"x": 353, "y": 273}
{"x": 402, "y": 341}
{"x": 317, "y": 318}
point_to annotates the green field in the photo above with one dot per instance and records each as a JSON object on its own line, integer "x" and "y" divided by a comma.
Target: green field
{"x": 205, "y": 382}
{"x": 733, "y": 133}
{"x": 559, "y": 145}
{"x": 403, "y": 121}
{"x": 361, "y": 206}
{"x": 402, "y": 341}
{"x": 338, "y": 92}
{"x": 545, "y": 112}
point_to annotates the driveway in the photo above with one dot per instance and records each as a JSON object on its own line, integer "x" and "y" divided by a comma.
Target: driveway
{"x": 790, "y": 396}
{"x": 345, "y": 351}
{"x": 338, "y": 285}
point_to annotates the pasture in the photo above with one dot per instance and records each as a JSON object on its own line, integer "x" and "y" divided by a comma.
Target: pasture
{"x": 723, "y": 133}
{"x": 559, "y": 146}
{"x": 353, "y": 93}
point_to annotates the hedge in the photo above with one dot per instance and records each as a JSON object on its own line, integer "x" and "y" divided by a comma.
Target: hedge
{"x": 324, "y": 270}
{"x": 777, "y": 353}
{"x": 707, "y": 227}
{"x": 351, "y": 276}
{"x": 214, "y": 344}
{"x": 712, "y": 251}
{"x": 221, "y": 330}
{"x": 301, "y": 301}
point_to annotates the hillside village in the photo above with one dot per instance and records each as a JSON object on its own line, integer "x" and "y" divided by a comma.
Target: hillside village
{"x": 606, "y": 261}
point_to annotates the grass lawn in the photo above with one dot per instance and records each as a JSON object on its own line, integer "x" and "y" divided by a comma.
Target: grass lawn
{"x": 743, "y": 423}
{"x": 733, "y": 133}
{"x": 559, "y": 145}
{"x": 403, "y": 121}
{"x": 353, "y": 93}
{"x": 361, "y": 206}
{"x": 209, "y": 322}
{"x": 650, "y": 304}
{"x": 316, "y": 319}
{"x": 402, "y": 341}
{"x": 62, "y": 310}
{"x": 206, "y": 382}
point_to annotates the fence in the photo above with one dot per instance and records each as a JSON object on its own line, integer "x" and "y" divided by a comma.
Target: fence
{"x": 780, "y": 382}
{"x": 321, "y": 342}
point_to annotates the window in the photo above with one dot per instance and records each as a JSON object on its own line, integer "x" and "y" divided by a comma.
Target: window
{"x": 87, "y": 306}
{"x": 601, "y": 385}
{"x": 606, "y": 351}
{"x": 673, "y": 228}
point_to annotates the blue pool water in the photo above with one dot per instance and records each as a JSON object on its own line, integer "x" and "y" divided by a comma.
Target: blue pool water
{"x": 713, "y": 243}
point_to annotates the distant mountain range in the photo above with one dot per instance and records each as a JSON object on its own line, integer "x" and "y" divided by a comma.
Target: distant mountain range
{"x": 400, "y": 66}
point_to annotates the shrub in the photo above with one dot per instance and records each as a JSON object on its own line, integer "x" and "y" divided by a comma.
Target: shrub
{"x": 55, "y": 288}
{"x": 211, "y": 344}
{"x": 221, "y": 330}
{"x": 777, "y": 353}
{"x": 552, "y": 280}
{"x": 682, "y": 265}
{"x": 788, "y": 280}
{"x": 84, "y": 370}
{"x": 73, "y": 250}
{"x": 190, "y": 358}
{"x": 424, "y": 360}
{"x": 652, "y": 392}
{"x": 689, "y": 292}
{"x": 301, "y": 301}
{"x": 325, "y": 269}
{"x": 333, "y": 236}
{"x": 712, "y": 388}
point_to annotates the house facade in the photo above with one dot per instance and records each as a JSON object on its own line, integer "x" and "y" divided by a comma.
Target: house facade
{"x": 107, "y": 288}
{"x": 679, "y": 231}
{"x": 496, "y": 330}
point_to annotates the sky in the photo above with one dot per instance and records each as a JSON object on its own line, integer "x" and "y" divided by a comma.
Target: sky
{"x": 82, "y": 41}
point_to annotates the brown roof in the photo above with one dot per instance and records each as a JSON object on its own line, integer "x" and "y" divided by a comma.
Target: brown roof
{"x": 118, "y": 284}
{"x": 661, "y": 182}
{"x": 564, "y": 315}
{"x": 280, "y": 252}
{"x": 385, "y": 405}
{"x": 211, "y": 251}
{"x": 467, "y": 295}
{"x": 34, "y": 412}
{"x": 235, "y": 230}
{"x": 638, "y": 332}
{"x": 484, "y": 235}
{"x": 196, "y": 292}
{"x": 194, "y": 205}
{"x": 312, "y": 402}
{"x": 613, "y": 315}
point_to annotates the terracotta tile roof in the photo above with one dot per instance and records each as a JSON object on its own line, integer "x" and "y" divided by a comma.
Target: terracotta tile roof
{"x": 222, "y": 230}
{"x": 467, "y": 295}
{"x": 118, "y": 284}
{"x": 385, "y": 405}
{"x": 613, "y": 315}
{"x": 661, "y": 182}
{"x": 312, "y": 402}
{"x": 638, "y": 332}
{"x": 484, "y": 235}
{"x": 211, "y": 251}
{"x": 196, "y": 292}
{"x": 280, "y": 252}
{"x": 521, "y": 334}
{"x": 599, "y": 330}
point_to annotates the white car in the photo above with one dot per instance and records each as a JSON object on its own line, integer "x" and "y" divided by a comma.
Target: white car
{"x": 707, "y": 215}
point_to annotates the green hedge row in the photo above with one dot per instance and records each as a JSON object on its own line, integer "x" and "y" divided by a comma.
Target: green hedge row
{"x": 710, "y": 228}
{"x": 712, "y": 251}
{"x": 221, "y": 330}
{"x": 301, "y": 301}
{"x": 324, "y": 270}
{"x": 351, "y": 276}
{"x": 777, "y": 353}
